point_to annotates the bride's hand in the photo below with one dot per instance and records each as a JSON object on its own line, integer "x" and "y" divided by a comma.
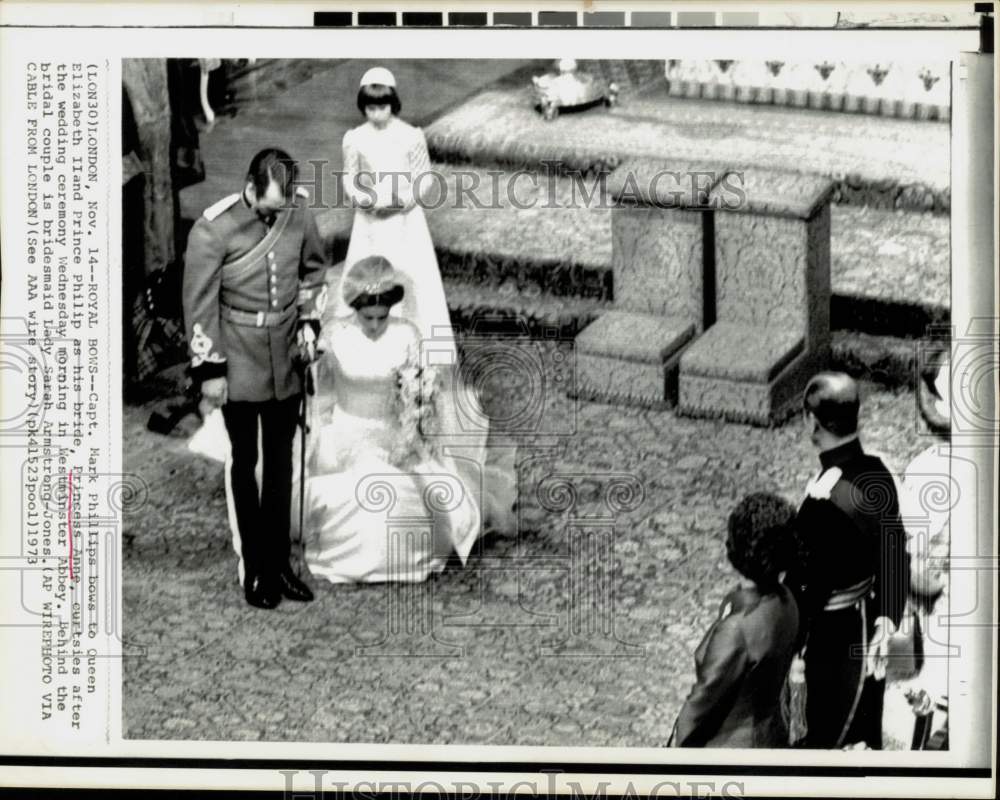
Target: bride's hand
{"x": 394, "y": 207}
{"x": 363, "y": 200}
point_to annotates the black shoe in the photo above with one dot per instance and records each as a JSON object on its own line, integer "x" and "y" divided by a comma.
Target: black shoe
{"x": 292, "y": 587}
{"x": 261, "y": 592}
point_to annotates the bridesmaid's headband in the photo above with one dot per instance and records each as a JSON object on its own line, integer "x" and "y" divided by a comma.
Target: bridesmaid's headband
{"x": 378, "y": 75}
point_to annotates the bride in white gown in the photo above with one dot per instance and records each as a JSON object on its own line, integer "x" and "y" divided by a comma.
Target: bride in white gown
{"x": 395, "y": 480}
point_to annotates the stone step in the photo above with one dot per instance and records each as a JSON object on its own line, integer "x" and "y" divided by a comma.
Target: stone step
{"x": 887, "y": 360}
{"x": 503, "y": 291}
{"x": 506, "y": 310}
{"x": 889, "y": 269}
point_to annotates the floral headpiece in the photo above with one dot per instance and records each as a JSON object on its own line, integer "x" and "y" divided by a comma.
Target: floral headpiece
{"x": 373, "y": 275}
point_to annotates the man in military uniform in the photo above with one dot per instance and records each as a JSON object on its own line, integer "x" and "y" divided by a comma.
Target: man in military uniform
{"x": 253, "y": 295}
{"x": 854, "y": 584}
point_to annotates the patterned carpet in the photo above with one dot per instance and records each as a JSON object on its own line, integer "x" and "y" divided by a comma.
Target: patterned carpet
{"x": 500, "y": 659}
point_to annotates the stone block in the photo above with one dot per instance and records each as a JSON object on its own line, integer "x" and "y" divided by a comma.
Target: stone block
{"x": 658, "y": 227}
{"x": 753, "y": 402}
{"x": 742, "y": 352}
{"x": 772, "y": 253}
{"x": 772, "y": 299}
{"x": 631, "y": 358}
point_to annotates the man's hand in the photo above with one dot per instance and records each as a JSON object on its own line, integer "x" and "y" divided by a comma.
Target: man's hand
{"x": 306, "y": 339}
{"x": 215, "y": 391}
{"x": 920, "y": 700}
{"x": 878, "y": 649}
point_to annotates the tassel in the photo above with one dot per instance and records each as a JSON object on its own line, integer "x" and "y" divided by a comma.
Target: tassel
{"x": 794, "y": 702}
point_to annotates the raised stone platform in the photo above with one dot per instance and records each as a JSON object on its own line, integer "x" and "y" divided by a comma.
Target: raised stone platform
{"x": 875, "y": 161}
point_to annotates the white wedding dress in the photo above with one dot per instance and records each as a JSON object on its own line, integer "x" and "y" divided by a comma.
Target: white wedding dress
{"x": 371, "y": 516}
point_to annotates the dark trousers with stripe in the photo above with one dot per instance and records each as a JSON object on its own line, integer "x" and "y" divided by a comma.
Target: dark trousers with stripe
{"x": 262, "y": 513}
{"x": 842, "y": 705}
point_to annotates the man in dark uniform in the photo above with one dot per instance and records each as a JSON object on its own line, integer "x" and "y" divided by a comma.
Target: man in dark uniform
{"x": 854, "y": 585}
{"x": 253, "y": 296}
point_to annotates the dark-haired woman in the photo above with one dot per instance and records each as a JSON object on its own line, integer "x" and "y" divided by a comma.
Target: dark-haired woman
{"x": 385, "y": 498}
{"x": 742, "y": 662}
{"x": 385, "y": 170}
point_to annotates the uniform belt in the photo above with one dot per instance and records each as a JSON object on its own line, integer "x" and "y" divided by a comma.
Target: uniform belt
{"x": 257, "y": 319}
{"x": 845, "y": 598}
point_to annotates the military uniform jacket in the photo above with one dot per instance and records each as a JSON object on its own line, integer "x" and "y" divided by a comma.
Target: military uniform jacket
{"x": 248, "y": 286}
{"x": 741, "y": 666}
{"x": 851, "y": 528}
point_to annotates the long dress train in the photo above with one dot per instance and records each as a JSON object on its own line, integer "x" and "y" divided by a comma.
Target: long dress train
{"x": 377, "y": 508}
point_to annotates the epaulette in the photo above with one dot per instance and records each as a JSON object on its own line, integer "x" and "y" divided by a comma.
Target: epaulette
{"x": 215, "y": 209}
{"x": 822, "y": 485}
{"x": 302, "y": 191}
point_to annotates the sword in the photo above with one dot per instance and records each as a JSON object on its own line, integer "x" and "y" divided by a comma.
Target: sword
{"x": 307, "y": 389}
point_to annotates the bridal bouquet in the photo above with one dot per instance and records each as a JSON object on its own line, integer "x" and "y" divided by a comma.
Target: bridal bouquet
{"x": 417, "y": 398}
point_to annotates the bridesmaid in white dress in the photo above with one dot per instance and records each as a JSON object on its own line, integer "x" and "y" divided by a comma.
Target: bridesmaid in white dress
{"x": 384, "y": 159}
{"x": 386, "y": 499}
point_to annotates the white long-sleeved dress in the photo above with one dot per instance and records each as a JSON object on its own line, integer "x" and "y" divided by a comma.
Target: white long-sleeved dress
{"x": 377, "y": 162}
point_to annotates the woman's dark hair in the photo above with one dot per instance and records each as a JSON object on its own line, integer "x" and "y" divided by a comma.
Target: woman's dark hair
{"x": 377, "y": 94}
{"x": 762, "y": 542}
{"x": 388, "y": 298}
{"x": 272, "y": 164}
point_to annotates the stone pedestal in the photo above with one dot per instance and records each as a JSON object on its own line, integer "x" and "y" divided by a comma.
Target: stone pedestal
{"x": 772, "y": 299}
{"x": 658, "y": 229}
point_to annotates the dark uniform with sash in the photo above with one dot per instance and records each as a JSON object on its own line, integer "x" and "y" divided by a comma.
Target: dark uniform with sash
{"x": 250, "y": 282}
{"x": 857, "y": 569}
